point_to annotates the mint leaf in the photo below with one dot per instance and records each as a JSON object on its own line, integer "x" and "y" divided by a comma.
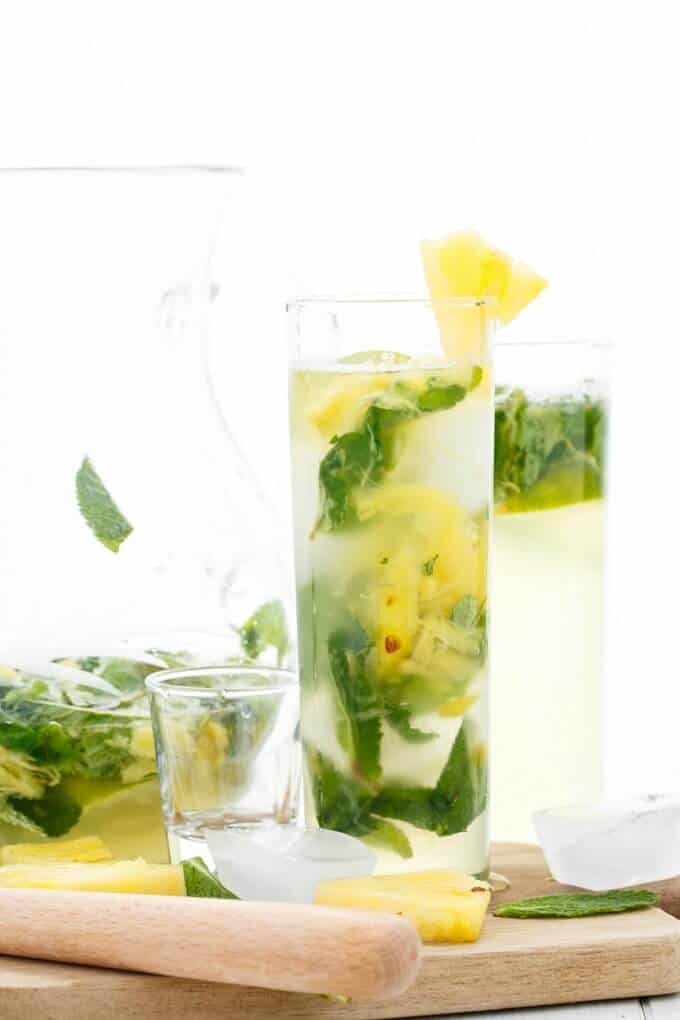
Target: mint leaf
{"x": 265, "y": 628}
{"x": 399, "y": 717}
{"x": 361, "y": 458}
{"x": 386, "y": 836}
{"x": 98, "y": 508}
{"x": 465, "y": 613}
{"x": 458, "y": 798}
{"x": 580, "y": 904}
{"x": 54, "y": 813}
{"x": 10, "y": 816}
{"x": 356, "y": 459}
{"x": 356, "y": 690}
{"x": 412, "y": 804}
{"x": 341, "y": 802}
{"x": 428, "y": 566}
{"x": 438, "y": 397}
{"x": 462, "y": 788}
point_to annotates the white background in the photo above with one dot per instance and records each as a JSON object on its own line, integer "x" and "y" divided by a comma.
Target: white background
{"x": 550, "y": 126}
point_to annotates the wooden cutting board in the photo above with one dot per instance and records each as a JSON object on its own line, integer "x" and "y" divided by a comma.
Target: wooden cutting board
{"x": 515, "y": 963}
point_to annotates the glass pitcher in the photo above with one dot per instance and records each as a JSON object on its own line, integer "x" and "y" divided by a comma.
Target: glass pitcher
{"x": 133, "y": 534}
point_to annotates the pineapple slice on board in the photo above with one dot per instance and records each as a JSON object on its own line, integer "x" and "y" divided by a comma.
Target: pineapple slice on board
{"x": 444, "y": 906}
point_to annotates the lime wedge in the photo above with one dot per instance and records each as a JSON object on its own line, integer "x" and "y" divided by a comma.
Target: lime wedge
{"x": 200, "y": 881}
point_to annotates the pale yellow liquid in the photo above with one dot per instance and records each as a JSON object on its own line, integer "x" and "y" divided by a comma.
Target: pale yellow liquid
{"x": 128, "y": 819}
{"x": 546, "y": 649}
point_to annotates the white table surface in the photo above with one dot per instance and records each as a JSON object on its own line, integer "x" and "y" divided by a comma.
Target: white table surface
{"x": 665, "y": 1007}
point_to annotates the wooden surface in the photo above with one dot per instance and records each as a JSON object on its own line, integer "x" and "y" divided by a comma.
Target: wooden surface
{"x": 515, "y": 964}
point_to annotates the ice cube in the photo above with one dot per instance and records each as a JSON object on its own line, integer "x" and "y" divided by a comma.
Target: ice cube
{"x": 613, "y": 844}
{"x": 285, "y": 863}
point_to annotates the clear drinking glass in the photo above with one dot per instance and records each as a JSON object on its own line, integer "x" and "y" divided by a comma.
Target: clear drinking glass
{"x": 547, "y": 580}
{"x": 227, "y": 741}
{"x": 133, "y": 534}
{"x": 392, "y": 464}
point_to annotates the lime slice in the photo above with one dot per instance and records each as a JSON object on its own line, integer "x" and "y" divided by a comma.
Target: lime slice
{"x": 200, "y": 881}
{"x": 383, "y": 358}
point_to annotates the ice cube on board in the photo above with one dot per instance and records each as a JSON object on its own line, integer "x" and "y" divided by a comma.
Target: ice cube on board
{"x": 613, "y": 844}
{"x": 285, "y": 863}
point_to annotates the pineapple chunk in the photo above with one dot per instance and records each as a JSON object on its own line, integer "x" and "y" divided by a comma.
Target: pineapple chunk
{"x": 464, "y": 265}
{"x": 142, "y": 742}
{"x": 116, "y": 876}
{"x": 397, "y": 622}
{"x": 457, "y": 706}
{"x": 446, "y": 535}
{"x": 89, "y": 849}
{"x": 343, "y": 405}
{"x": 444, "y": 906}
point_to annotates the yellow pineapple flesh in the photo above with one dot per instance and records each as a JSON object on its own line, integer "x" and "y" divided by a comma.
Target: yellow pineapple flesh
{"x": 87, "y": 850}
{"x": 464, "y": 265}
{"x": 444, "y": 906}
{"x": 114, "y": 876}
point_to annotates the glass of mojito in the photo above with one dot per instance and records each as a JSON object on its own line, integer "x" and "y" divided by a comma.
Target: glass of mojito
{"x": 392, "y": 465}
{"x": 547, "y": 593}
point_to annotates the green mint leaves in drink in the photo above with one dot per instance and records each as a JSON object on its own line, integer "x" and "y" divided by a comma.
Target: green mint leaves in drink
{"x": 547, "y": 452}
{"x": 362, "y": 458}
{"x": 96, "y": 505}
{"x": 580, "y": 904}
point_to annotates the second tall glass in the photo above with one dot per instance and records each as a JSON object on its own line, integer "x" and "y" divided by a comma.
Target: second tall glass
{"x": 547, "y": 591}
{"x": 392, "y": 465}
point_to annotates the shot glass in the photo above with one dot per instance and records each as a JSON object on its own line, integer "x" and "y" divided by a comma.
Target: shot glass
{"x": 228, "y": 751}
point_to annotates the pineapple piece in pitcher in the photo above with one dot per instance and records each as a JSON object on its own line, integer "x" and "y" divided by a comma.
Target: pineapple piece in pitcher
{"x": 444, "y": 906}
{"x": 87, "y": 850}
{"x": 114, "y": 876}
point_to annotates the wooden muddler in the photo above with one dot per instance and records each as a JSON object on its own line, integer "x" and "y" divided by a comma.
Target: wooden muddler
{"x": 286, "y": 946}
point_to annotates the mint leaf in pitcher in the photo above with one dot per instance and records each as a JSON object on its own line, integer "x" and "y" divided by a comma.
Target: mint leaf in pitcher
{"x": 101, "y": 514}
{"x": 265, "y": 628}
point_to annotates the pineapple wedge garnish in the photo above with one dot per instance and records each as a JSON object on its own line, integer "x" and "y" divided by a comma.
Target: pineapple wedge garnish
{"x": 88, "y": 850}
{"x": 114, "y": 876}
{"x": 464, "y": 265}
{"x": 444, "y": 906}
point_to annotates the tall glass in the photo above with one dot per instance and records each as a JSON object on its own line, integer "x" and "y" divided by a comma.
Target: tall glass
{"x": 391, "y": 460}
{"x": 547, "y": 580}
{"x": 132, "y": 533}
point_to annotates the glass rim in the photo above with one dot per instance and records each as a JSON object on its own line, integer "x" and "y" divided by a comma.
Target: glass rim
{"x": 298, "y": 303}
{"x": 551, "y": 342}
{"x": 160, "y": 169}
{"x": 163, "y": 680}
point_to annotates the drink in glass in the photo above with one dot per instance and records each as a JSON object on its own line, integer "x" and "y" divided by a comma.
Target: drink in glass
{"x": 391, "y": 459}
{"x": 547, "y": 590}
